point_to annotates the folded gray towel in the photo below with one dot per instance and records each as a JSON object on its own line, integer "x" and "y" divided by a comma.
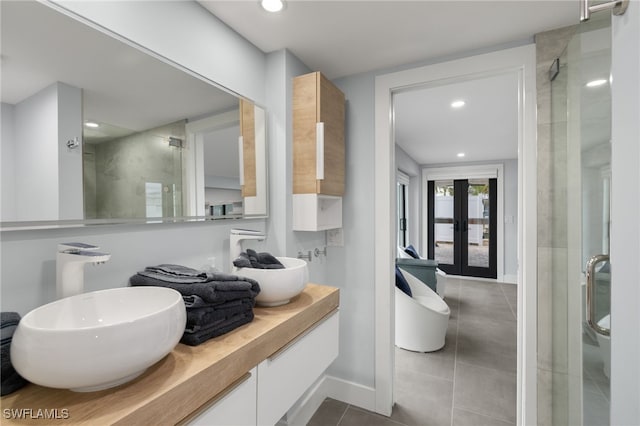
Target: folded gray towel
{"x": 195, "y": 301}
{"x": 10, "y": 380}
{"x": 217, "y": 329}
{"x": 8, "y": 323}
{"x": 220, "y": 288}
{"x": 205, "y": 317}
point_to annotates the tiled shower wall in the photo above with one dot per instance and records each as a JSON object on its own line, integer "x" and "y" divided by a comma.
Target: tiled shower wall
{"x": 553, "y": 378}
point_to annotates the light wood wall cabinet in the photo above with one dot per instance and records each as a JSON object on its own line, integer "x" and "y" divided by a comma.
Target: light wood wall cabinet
{"x": 247, "y": 149}
{"x": 318, "y": 153}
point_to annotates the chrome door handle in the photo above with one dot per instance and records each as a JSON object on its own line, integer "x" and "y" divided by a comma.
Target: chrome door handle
{"x": 591, "y": 300}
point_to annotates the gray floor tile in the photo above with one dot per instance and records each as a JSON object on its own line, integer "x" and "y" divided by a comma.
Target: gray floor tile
{"x": 493, "y": 307}
{"x": 329, "y": 413}
{"x": 473, "y": 376}
{"x": 485, "y": 391}
{"x": 488, "y": 343}
{"x": 439, "y": 363}
{"x": 357, "y": 417}
{"x": 422, "y": 400}
{"x": 467, "y": 418}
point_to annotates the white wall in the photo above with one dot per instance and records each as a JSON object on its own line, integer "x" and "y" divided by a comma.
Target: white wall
{"x": 7, "y": 171}
{"x": 625, "y": 211}
{"x": 70, "y": 161}
{"x": 28, "y": 274}
{"x": 351, "y": 267}
{"x": 36, "y": 153}
{"x": 41, "y": 177}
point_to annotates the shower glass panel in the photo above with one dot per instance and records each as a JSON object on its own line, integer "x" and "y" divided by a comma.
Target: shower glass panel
{"x": 581, "y": 161}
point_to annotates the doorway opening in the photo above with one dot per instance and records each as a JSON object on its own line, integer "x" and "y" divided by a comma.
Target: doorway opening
{"x": 520, "y": 61}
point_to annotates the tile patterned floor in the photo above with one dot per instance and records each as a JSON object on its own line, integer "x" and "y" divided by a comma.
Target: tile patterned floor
{"x": 471, "y": 381}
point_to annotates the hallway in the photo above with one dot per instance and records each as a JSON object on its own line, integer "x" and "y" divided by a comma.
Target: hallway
{"x": 471, "y": 381}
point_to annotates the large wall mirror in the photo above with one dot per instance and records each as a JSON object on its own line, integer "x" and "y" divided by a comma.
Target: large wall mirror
{"x": 94, "y": 129}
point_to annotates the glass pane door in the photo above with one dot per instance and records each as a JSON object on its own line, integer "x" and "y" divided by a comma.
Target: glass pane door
{"x": 462, "y": 228}
{"x": 443, "y": 228}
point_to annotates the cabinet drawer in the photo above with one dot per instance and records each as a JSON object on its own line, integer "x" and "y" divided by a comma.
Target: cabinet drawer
{"x": 286, "y": 375}
{"x": 236, "y": 407}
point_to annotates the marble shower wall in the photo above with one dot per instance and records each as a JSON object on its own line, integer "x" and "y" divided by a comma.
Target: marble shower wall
{"x": 553, "y": 377}
{"x": 116, "y": 174}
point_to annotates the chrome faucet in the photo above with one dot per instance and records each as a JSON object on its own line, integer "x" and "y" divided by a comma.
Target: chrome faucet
{"x": 70, "y": 262}
{"x": 238, "y": 235}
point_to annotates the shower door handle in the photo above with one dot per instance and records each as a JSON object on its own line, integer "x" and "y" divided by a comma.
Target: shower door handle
{"x": 591, "y": 300}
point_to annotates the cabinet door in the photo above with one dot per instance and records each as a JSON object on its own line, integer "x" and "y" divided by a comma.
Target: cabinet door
{"x": 248, "y": 149}
{"x": 331, "y": 114}
{"x": 286, "y": 375}
{"x": 318, "y": 136}
{"x": 236, "y": 407}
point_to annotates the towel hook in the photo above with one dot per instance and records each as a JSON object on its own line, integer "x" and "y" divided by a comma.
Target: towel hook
{"x": 307, "y": 256}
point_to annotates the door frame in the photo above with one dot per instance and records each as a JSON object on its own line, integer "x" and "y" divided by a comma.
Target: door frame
{"x": 468, "y": 172}
{"x": 522, "y": 61}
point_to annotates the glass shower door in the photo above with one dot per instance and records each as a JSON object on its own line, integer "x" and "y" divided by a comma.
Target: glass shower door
{"x": 581, "y": 132}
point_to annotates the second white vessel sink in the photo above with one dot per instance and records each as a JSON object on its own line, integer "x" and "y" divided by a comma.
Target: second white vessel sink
{"x": 278, "y": 286}
{"x": 98, "y": 340}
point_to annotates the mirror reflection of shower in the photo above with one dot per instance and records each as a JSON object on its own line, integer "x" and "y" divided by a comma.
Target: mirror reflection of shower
{"x": 134, "y": 175}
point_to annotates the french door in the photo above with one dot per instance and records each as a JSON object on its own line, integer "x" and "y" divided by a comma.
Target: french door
{"x": 462, "y": 226}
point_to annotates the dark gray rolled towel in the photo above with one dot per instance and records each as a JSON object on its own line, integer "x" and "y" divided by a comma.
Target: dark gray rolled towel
{"x": 220, "y": 288}
{"x": 218, "y": 329}
{"x": 242, "y": 261}
{"x": 204, "y": 317}
{"x": 10, "y": 380}
{"x": 263, "y": 260}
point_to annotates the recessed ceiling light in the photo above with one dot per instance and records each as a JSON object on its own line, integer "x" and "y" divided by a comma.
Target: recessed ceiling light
{"x": 596, "y": 83}
{"x": 272, "y": 5}
{"x": 457, "y": 104}
{"x": 91, "y": 124}
{"x": 460, "y": 154}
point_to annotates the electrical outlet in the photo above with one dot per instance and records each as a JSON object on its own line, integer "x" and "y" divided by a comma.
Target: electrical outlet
{"x": 335, "y": 237}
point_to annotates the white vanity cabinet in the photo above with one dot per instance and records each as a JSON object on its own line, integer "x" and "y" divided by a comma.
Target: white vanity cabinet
{"x": 269, "y": 390}
{"x": 286, "y": 375}
{"x": 235, "y": 407}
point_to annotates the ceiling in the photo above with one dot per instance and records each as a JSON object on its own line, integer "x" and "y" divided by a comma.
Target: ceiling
{"x": 431, "y": 131}
{"x": 342, "y": 38}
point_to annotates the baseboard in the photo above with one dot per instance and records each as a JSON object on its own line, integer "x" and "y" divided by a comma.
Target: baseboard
{"x": 330, "y": 387}
{"x": 352, "y": 393}
{"x": 510, "y": 279}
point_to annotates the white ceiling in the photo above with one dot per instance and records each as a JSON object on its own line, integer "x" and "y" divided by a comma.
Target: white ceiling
{"x": 485, "y": 128}
{"x": 341, "y": 38}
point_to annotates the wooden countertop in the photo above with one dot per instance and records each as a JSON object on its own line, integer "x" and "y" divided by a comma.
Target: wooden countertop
{"x": 184, "y": 380}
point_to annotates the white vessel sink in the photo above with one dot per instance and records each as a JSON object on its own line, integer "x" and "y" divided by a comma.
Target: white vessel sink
{"x": 278, "y": 286}
{"x": 98, "y": 340}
